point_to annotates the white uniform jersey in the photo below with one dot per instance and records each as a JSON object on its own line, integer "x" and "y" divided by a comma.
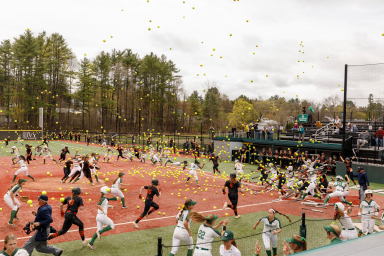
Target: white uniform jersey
{"x": 92, "y": 161}
{"x": 15, "y": 189}
{"x": 312, "y": 176}
{"x": 368, "y": 208}
{"x": 233, "y": 251}
{"x": 239, "y": 167}
{"x": 184, "y": 215}
{"x": 117, "y": 183}
{"x": 17, "y": 252}
{"x": 193, "y": 167}
{"x": 270, "y": 226}
{"x": 104, "y": 204}
{"x": 205, "y": 236}
{"x": 346, "y": 222}
{"x": 289, "y": 174}
{"x": 17, "y": 152}
{"x": 22, "y": 163}
{"x": 47, "y": 151}
{"x": 340, "y": 186}
{"x": 152, "y": 150}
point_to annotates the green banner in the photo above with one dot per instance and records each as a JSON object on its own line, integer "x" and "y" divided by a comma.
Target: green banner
{"x": 303, "y": 118}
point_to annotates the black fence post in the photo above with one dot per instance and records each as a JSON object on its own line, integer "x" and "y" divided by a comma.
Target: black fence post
{"x": 303, "y": 227}
{"x": 159, "y": 246}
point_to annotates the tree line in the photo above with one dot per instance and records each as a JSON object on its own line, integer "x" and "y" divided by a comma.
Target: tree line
{"x": 119, "y": 91}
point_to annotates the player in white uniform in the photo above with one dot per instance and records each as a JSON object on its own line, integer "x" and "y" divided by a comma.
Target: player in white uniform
{"x": 156, "y": 158}
{"x": 312, "y": 184}
{"x": 207, "y": 232}
{"x": 381, "y": 227}
{"x": 23, "y": 168}
{"x": 47, "y": 152}
{"x": 38, "y": 150}
{"x": 16, "y": 152}
{"x": 10, "y": 249}
{"x": 192, "y": 172}
{"x": 239, "y": 168}
{"x": 102, "y": 218}
{"x": 108, "y": 154}
{"x": 167, "y": 154}
{"x": 348, "y": 229}
{"x": 115, "y": 189}
{"x": 11, "y": 201}
{"x": 143, "y": 155}
{"x": 341, "y": 190}
{"x": 19, "y": 140}
{"x": 104, "y": 143}
{"x": 367, "y": 208}
{"x": 93, "y": 163}
{"x": 272, "y": 227}
{"x": 128, "y": 154}
{"x": 290, "y": 175}
{"x": 182, "y": 231}
{"x": 75, "y": 168}
{"x": 228, "y": 247}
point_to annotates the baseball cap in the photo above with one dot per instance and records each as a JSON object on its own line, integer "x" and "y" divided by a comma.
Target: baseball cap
{"x": 22, "y": 180}
{"x": 360, "y": 168}
{"x": 212, "y": 219}
{"x": 43, "y": 197}
{"x": 330, "y": 229}
{"x": 293, "y": 240}
{"x": 191, "y": 203}
{"x": 228, "y": 235}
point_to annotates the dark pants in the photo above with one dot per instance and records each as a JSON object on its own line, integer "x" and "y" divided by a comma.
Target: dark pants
{"x": 120, "y": 155}
{"x": 216, "y": 166}
{"x": 41, "y": 246}
{"x": 350, "y": 175}
{"x": 62, "y": 157}
{"x": 234, "y": 200}
{"x": 148, "y": 205}
{"x": 70, "y": 218}
{"x": 67, "y": 171}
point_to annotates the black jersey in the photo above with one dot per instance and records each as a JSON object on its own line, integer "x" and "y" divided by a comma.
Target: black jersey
{"x": 68, "y": 164}
{"x": 86, "y": 165}
{"x": 263, "y": 171}
{"x": 65, "y": 151}
{"x": 120, "y": 151}
{"x": 214, "y": 159}
{"x": 232, "y": 188}
{"x": 152, "y": 191}
{"x": 74, "y": 204}
{"x": 29, "y": 151}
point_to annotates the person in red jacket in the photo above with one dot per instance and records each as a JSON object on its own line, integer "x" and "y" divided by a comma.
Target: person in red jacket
{"x": 379, "y": 133}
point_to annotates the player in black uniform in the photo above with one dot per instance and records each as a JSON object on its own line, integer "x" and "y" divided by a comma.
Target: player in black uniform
{"x": 120, "y": 150}
{"x": 7, "y": 140}
{"x": 45, "y": 141}
{"x": 282, "y": 180}
{"x": 67, "y": 170}
{"x": 71, "y": 136}
{"x": 233, "y": 189}
{"x": 88, "y": 140}
{"x": 99, "y": 139}
{"x": 264, "y": 175}
{"x": 112, "y": 143}
{"x": 28, "y": 155}
{"x": 152, "y": 191}
{"x": 215, "y": 163}
{"x": 136, "y": 152}
{"x": 87, "y": 169}
{"x": 348, "y": 164}
{"x": 74, "y": 202}
{"x": 63, "y": 154}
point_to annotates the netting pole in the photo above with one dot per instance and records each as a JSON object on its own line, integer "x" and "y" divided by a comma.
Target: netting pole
{"x": 303, "y": 227}
{"x": 345, "y": 108}
{"x": 159, "y": 246}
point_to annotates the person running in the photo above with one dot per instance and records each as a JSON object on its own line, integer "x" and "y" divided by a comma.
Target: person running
{"x": 264, "y": 174}
{"x": 99, "y": 140}
{"x": 239, "y": 169}
{"x": 38, "y": 150}
{"x": 108, "y": 154}
{"x": 233, "y": 189}
{"x": 116, "y": 190}
{"x": 47, "y": 152}
{"x": 63, "y": 153}
{"x": 151, "y": 192}
{"x": 341, "y": 190}
{"x": 74, "y": 202}
{"x": 67, "y": 170}
{"x": 120, "y": 150}
{"x": 23, "y": 168}
{"x": 348, "y": 228}
{"x": 348, "y": 165}
{"x": 193, "y": 171}
{"x": 71, "y": 136}
{"x": 19, "y": 140}
{"x": 156, "y": 158}
{"x": 272, "y": 227}
{"x": 207, "y": 232}
{"x": 45, "y": 141}
{"x": 28, "y": 155}
{"x": 11, "y": 201}
{"x": 101, "y": 217}
{"x": 93, "y": 162}
{"x": 182, "y": 231}
{"x": 76, "y": 170}
{"x": 215, "y": 162}
{"x": 143, "y": 155}
{"x": 87, "y": 170}
{"x": 7, "y": 140}
{"x": 88, "y": 140}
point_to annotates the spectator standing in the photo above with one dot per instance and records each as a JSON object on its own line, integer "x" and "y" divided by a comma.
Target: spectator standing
{"x": 337, "y": 120}
{"x": 363, "y": 181}
{"x": 295, "y": 127}
{"x": 42, "y": 223}
{"x": 301, "y": 133}
{"x": 365, "y": 138}
{"x": 246, "y": 129}
{"x": 379, "y": 133}
{"x": 10, "y": 247}
{"x": 270, "y": 132}
{"x": 234, "y": 131}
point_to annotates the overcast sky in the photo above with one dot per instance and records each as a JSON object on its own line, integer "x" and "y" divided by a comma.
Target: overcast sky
{"x": 348, "y": 32}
